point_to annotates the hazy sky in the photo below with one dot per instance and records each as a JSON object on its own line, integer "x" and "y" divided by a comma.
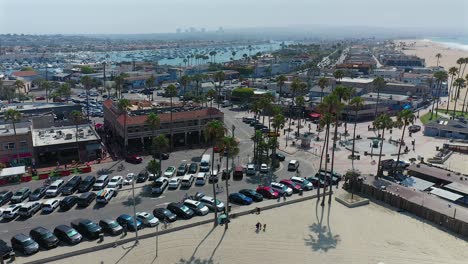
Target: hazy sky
{"x": 155, "y": 16}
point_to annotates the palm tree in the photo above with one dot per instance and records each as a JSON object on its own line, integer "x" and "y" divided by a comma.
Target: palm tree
{"x": 336, "y": 107}
{"x": 464, "y": 67}
{"x": 322, "y": 83}
{"x": 149, "y": 83}
{"x": 404, "y": 118}
{"x": 438, "y": 56}
{"x": 300, "y": 103}
{"x": 185, "y": 80}
{"x": 87, "y": 83}
{"x": 14, "y": 116}
{"x": 214, "y": 131}
{"x": 441, "y": 76}
{"x": 119, "y": 82}
{"x": 231, "y": 146}
{"x": 211, "y": 94}
{"x": 460, "y": 62}
{"x": 460, "y": 83}
{"x": 466, "y": 93}
{"x": 123, "y": 106}
{"x": 356, "y": 104}
{"x": 452, "y": 72}
{"x": 46, "y": 86}
{"x": 76, "y": 117}
{"x": 338, "y": 74}
{"x": 19, "y": 85}
{"x": 171, "y": 91}
{"x": 379, "y": 83}
{"x": 280, "y": 80}
{"x": 154, "y": 122}
{"x": 277, "y": 124}
{"x": 219, "y": 77}
{"x": 382, "y": 122}
{"x": 159, "y": 145}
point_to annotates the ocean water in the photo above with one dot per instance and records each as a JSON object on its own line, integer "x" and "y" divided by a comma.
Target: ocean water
{"x": 455, "y": 42}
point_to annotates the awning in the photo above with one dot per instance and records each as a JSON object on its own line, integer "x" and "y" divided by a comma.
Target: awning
{"x": 315, "y": 115}
{"x": 6, "y": 172}
{"x": 445, "y": 194}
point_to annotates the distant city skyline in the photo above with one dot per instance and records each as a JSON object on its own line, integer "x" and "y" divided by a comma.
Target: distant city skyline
{"x": 157, "y": 16}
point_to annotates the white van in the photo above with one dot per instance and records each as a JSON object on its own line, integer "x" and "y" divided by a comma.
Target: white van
{"x": 187, "y": 180}
{"x": 205, "y": 163}
{"x": 293, "y": 165}
{"x": 55, "y": 188}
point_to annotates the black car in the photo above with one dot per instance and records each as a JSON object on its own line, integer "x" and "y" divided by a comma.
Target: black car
{"x": 279, "y": 156}
{"x": 164, "y": 156}
{"x": 164, "y": 214}
{"x": 72, "y": 185}
{"x": 5, "y": 250}
{"x": 5, "y": 197}
{"x": 44, "y": 237}
{"x": 182, "y": 170}
{"x": 111, "y": 227}
{"x": 37, "y": 194}
{"x": 142, "y": 176}
{"x": 414, "y": 128}
{"x": 255, "y": 196}
{"x": 180, "y": 210}
{"x": 193, "y": 168}
{"x": 68, "y": 202}
{"x": 85, "y": 199}
{"x": 86, "y": 184}
{"x": 87, "y": 228}
{"x": 68, "y": 234}
{"x": 24, "y": 244}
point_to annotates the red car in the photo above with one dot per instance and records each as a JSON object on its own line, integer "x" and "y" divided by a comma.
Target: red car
{"x": 216, "y": 149}
{"x": 267, "y": 192}
{"x": 40, "y": 98}
{"x": 294, "y": 186}
{"x": 135, "y": 159}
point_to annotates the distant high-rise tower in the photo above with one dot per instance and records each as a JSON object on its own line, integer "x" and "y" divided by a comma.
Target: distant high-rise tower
{"x": 192, "y": 30}
{"x": 220, "y": 30}
{"x": 203, "y": 30}
{"x": 178, "y": 30}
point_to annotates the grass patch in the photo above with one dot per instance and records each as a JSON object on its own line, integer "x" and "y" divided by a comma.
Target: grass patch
{"x": 457, "y": 113}
{"x": 426, "y": 118}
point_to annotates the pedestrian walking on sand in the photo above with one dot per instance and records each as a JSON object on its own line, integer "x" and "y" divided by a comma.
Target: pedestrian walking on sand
{"x": 284, "y": 197}
{"x": 264, "y": 227}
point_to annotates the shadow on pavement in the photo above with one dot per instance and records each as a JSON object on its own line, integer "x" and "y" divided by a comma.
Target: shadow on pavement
{"x": 322, "y": 237}
{"x": 217, "y": 246}
{"x": 126, "y": 252}
{"x": 129, "y": 201}
{"x": 193, "y": 260}
{"x": 201, "y": 242}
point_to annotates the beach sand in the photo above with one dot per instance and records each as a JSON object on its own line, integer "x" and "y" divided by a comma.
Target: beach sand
{"x": 428, "y": 49}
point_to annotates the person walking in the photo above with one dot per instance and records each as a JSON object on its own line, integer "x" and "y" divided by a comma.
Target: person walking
{"x": 284, "y": 197}
{"x": 264, "y": 227}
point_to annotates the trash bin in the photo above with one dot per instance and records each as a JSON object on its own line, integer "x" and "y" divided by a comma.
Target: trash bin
{"x": 12, "y": 256}
{"x": 301, "y": 192}
{"x": 101, "y": 237}
{"x": 229, "y": 208}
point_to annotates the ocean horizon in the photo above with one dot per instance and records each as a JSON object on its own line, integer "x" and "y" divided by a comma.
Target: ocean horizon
{"x": 455, "y": 42}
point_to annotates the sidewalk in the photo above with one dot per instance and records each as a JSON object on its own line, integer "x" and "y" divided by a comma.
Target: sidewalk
{"x": 298, "y": 233}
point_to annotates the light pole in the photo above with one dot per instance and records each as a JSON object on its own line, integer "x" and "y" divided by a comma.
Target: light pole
{"x": 134, "y": 210}
{"x": 157, "y": 238}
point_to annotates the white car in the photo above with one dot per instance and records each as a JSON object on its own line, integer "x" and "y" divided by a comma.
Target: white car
{"x": 169, "y": 172}
{"x": 307, "y": 185}
{"x": 250, "y": 169}
{"x": 198, "y": 207}
{"x": 200, "y": 179}
{"x": 174, "y": 183}
{"x": 148, "y": 219}
{"x": 11, "y": 211}
{"x": 159, "y": 185}
{"x": 50, "y": 205}
{"x": 116, "y": 182}
{"x": 264, "y": 168}
{"x": 210, "y": 201}
{"x": 104, "y": 196}
{"x": 1, "y": 213}
{"x": 129, "y": 178}
{"x": 281, "y": 188}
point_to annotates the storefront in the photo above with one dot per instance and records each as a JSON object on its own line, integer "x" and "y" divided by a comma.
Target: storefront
{"x": 12, "y": 175}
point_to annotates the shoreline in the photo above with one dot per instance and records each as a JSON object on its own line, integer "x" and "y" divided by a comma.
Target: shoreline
{"x": 427, "y": 49}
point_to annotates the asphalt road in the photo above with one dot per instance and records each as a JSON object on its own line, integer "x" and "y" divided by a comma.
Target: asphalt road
{"x": 122, "y": 203}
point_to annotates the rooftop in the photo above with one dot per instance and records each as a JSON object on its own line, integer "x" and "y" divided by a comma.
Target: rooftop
{"x": 63, "y": 135}
{"x": 33, "y": 106}
{"x": 357, "y": 80}
{"x": 24, "y": 73}
{"x": 21, "y": 128}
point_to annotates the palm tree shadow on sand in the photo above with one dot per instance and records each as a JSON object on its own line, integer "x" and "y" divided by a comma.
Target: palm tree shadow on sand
{"x": 322, "y": 238}
{"x": 195, "y": 260}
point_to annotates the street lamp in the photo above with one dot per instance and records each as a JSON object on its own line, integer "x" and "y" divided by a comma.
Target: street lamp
{"x": 134, "y": 210}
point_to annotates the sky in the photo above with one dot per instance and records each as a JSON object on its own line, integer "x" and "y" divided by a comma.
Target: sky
{"x": 163, "y": 16}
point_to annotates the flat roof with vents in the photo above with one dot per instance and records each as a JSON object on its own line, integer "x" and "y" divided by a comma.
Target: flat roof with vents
{"x": 63, "y": 135}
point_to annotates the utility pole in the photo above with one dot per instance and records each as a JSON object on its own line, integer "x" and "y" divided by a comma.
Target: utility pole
{"x": 228, "y": 174}
{"x": 134, "y": 211}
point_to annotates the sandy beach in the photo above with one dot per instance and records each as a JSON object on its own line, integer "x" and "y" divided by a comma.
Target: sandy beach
{"x": 428, "y": 49}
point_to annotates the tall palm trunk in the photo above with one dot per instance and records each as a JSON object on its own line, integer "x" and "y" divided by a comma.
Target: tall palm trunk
{"x": 438, "y": 96}
{"x": 326, "y": 165}
{"x": 379, "y": 171}
{"x": 354, "y": 139}
{"x": 298, "y": 122}
{"x": 321, "y": 95}
{"x": 170, "y": 129}
{"x": 213, "y": 184}
{"x": 125, "y": 133}
{"x": 433, "y": 103}
{"x": 76, "y": 141}
{"x": 333, "y": 158}
{"x": 320, "y": 167}
{"x": 455, "y": 106}
{"x": 17, "y": 145}
{"x": 377, "y": 103}
{"x": 399, "y": 148}
{"x": 464, "y": 100}
{"x": 449, "y": 95}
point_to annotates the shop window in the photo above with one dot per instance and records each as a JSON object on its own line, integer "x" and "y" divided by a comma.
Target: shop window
{"x": 8, "y": 146}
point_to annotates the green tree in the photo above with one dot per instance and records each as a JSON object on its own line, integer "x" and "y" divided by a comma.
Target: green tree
{"x": 86, "y": 70}
{"x": 76, "y": 118}
{"x": 14, "y": 116}
{"x": 277, "y": 124}
{"x": 171, "y": 92}
{"x": 150, "y": 82}
{"x": 243, "y": 94}
{"x": 46, "y": 86}
{"x": 19, "y": 85}
{"x": 460, "y": 83}
{"x": 154, "y": 122}
{"x": 280, "y": 80}
{"x": 357, "y": 103}
{"x": 383, "y": 122}
{"x": 438, "y": 56}
{"x": 441, "y": 76}
{"x": 159, "y": 145}
{"x": 123, "y": 106}
{"x": 460, "y": 62}
{"x": 154, "y": 167}
{"x": 452, "y": 72}
{"x": 65, "y": 91}
{"x": 27, "y": 69}
{"x": 322, "y": 83}
{"x": 214, "y": 132}
{"x": 87, "y": 83}
{"x": 379, "y": 83}
{"x": 338, "y": 74}
{"x": 351, "y": 176}
{"x": 185, "y": 81}
{"x": 119, "y": 83}
{"x": 211, "y": 94}
{"x": 404, "y": 119}
{"x": 300, "y": 103}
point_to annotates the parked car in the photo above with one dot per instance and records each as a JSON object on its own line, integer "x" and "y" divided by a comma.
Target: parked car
{"x": 87, "y": 228}
{"x": 200, "y": 179}
{"x": 255, "y": 196}
{"x": 163, "y": 156}
{"x": 296, "y": 188}
{"x": 67, "y": 234}
{"x": 316, "y": 182}
{"x": 29, "y": 209}
{"x": 11, "y": 212}
{"x": 281, "y": 189}
{"x": 197, "y": 207}
{"x": 147, "y": 219}
{"x": 142, "y": 176}
{"x": 86, "y": 184}
{"x": 238, "y": 173}
{"x": 174, "y": 183}
{"x": 37, "y": 194}
{"x": 129, "y": 178}
{"x": 159, "y": 185}
{"x": 251, "y": 170}
{"x": 104, "y": 196}
{"x": 110, "y": 226}
{"x": 55, "y": 188}
{"x": 414, "y": 128}
{"x": 135, "y": 159}
{"x": 20, "y": 195}
{"x": 127, "y": 221}
{"x": 182, "y": 170}
{"x": 181, "y": 210}
{"x": 24, "y": 244}
{"x": 85, "y": 199}
{"x": 193, "y": 168}
{"x": 67, "y": 203}
{"x": 44, "y": 237}
{"x": 264, "y": 168}
{"x": 267, "y": 192}
{"x": 169, "y": 172}
{"x": 50, "y": 205}
{"x": 115, "y": 182}
{"x": 210, "y": 202}
{"x": 305, "y": 184}
{"x": 293, "y": 165}
{"x": 5, "y": 250}
{"x": 213, "y": 176}
{"x": 239, "y": 198}
{"x": 279, "y": 156}
{"x": 187, "y": 181}
{"x": 164, "y": 214}
{"x": 72, "y": 185}
{"x": 101, "y": 182}
{"x": 5, "y": 197}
